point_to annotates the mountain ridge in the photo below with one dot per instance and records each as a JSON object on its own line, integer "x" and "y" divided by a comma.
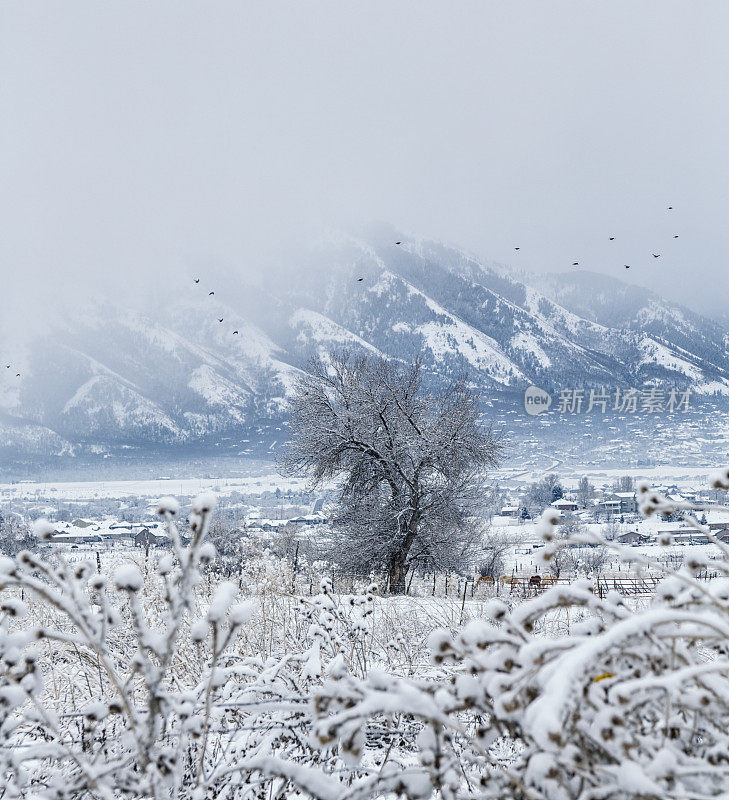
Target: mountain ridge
{"x": 113, "y": 378}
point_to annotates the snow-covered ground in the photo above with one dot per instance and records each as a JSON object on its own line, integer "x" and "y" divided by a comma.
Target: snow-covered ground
{"x": 89, "y": 490}
{"x": 522, "y": 558}
{"x": 268, "y": 479}
{"x": 684, "y": 476}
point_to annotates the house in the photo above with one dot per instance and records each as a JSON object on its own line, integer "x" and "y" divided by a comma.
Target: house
{"x": 720, "y": 530}
{"x": 632, "y": 537}
{"x": 716, "y": 527}
{"x": 74, "y": 537}
{"x": 610, "y": 507}
{"x": 145, "y": 537}
{"x": 628, "y": 503}
{"x": 510, "y": 511}
{"x": 114, "y": 537}
{"x": 620, "y": 503}
{"x": 690, "y": 537}
{"x": 565, "y": 505}
{"x": 73, "y": 533}
{"x": 82, "y": 523}
{"x": 273, "y": 524}
{"x": 308, "y": 519}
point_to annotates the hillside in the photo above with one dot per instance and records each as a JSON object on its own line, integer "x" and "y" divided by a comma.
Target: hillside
{"x": 177, "y": 378}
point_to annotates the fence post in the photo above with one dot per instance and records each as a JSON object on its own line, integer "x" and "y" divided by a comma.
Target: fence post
{"x": 463, "y": 602}
{"x": 295, "y": 570}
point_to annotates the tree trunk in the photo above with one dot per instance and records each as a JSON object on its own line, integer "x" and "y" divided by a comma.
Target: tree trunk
{"x": 396, "y": 577}
{"x": 398, "y": 572}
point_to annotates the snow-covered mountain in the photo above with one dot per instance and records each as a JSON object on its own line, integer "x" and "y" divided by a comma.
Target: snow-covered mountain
{"x": 177, "y": 377}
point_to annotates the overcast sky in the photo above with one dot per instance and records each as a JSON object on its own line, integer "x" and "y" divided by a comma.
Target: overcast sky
{"x": 142, "y": 139}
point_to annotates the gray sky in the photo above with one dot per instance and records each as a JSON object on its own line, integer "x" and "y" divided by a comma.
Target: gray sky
{"x": 140, "y": 140}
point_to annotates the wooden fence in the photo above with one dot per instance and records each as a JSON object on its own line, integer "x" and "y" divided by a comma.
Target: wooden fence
{"x": 535, "y": 585}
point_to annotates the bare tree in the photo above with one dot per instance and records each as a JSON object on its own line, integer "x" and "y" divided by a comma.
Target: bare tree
{"x": 611, "y": 531}
{"x": 540, "y": 494}
{"x": 589, "y": 558}
{"x": 624, "y": 484}
{"x": 14, "y": 536}
{"x": 592, "y": 559}
{"x": 495, "y": 545}
{"x": 585, "y": 492}
{"x": 410, "y": 460}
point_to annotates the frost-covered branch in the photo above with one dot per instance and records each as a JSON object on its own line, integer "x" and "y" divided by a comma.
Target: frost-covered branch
{"x": 627, "y": 701}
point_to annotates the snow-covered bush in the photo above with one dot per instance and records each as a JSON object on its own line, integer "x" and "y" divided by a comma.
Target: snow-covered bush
{"x": 631, "y": 703}
{"x": 626, "y": 702}
{"x": 169, "y": 709}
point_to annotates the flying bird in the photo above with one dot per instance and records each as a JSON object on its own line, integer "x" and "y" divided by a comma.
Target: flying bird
{"x": 17, "y": 375}
{"x": 670, "y": 208}
{"x": 612, "y": 238}
{"x": 7, "y": 367}
{"x": 575, "y": 263}
{"x": 517, "y": 248}
{"x": 210, "y": 293}
{"x": 234, "y": 332}
{"x": 676, "y": 236}
{"x": 220, "y": 319}
{"x": 360, "y": 279}
{"x": 656, "y": 255}
{"x": 197, "y": 280}
{"x": 627, "y": 266}
{"x": 398, "y": 242}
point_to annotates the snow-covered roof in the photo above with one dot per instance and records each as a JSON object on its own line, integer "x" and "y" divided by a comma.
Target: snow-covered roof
{"x": 73, "y": 535}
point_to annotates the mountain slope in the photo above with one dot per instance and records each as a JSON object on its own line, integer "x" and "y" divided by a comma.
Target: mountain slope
{"x": 178, "y": 377}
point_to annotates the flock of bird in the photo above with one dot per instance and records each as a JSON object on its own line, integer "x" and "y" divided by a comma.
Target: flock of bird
{"x": 577, "y": 263}
{"x": 574, "y": 264}
{"x": 612, "y": 239}
{"x": 222, "y": 319}
{"x": 212, "y": 294}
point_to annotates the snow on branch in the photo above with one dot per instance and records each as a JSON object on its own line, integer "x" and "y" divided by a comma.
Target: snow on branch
{"x": 142, "y": 684}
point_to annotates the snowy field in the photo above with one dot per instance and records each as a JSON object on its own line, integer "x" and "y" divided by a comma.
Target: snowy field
{"x": 160, "y": 487}
{"x": 523, "y": 555}
{"x": 268, "y": 479}
{"x": 683, "y": 476}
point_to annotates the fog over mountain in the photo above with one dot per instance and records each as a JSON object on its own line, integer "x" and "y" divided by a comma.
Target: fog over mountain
{"x": 145, "y": 144}
{"x": 174, "y": 376}
{"x": 140, "y": 140}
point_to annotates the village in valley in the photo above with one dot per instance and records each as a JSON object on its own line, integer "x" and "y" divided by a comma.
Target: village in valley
{"x": 268, "y": 516}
